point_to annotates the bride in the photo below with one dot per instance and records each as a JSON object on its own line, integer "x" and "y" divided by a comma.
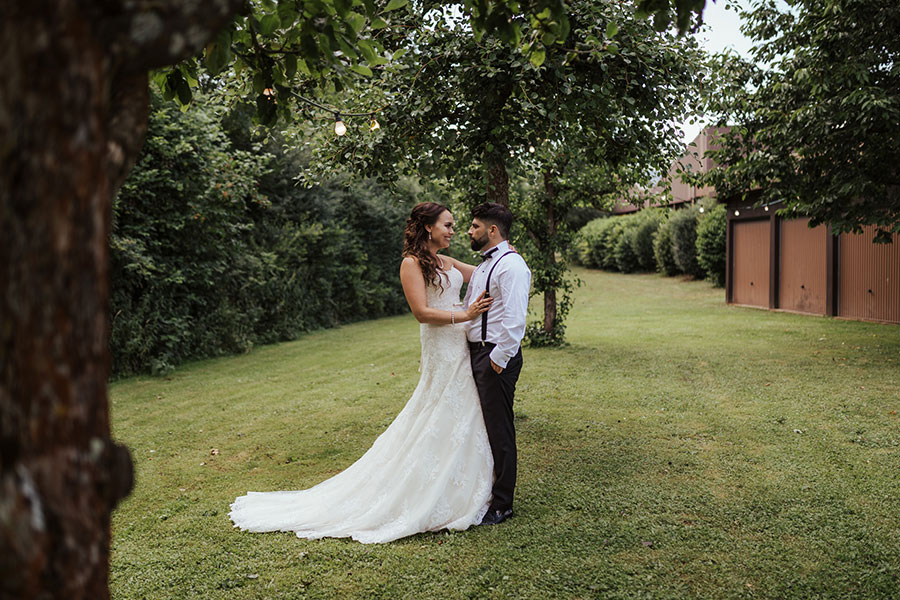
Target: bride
{"x": 432, "y": 468}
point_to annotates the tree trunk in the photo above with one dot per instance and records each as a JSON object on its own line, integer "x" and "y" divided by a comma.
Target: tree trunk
{"x": 73, "y": 111}
{"x": 550, "y": 294}
{"x": 497, "y": 176}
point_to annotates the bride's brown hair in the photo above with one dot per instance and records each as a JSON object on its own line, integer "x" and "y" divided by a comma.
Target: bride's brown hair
{"x": 415, "y": 241}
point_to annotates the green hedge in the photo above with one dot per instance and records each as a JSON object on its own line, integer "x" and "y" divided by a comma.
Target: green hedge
{"x": 683, "y": 241}
{"x": 622, "y": 243}
{"x": 662, "y": 250}
{"x": 683, "y": 224}
{"x": 214, "y": 249}
{"x": 711, "y": 243}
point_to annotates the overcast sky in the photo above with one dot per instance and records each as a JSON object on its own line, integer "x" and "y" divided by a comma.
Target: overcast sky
{"x": 721, "y": 33}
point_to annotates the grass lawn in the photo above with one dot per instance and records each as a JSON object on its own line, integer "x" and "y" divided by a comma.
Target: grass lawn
{"x": 678, "y": 448}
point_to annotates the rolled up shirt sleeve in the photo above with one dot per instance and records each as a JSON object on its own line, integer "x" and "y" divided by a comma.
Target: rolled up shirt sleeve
{"x": 515, "y": 285}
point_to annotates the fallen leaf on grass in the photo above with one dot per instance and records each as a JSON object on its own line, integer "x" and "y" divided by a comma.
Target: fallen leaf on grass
{"x": 214, "y": 452}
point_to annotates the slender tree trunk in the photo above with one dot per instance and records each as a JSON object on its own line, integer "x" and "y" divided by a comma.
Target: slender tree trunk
{"x": 497, "y": 176}
{"x": 550, "y": 294}
{"x": 73, "y": 112}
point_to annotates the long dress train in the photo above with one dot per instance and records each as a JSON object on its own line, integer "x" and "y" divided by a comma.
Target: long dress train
{"x": 431, "y": 469}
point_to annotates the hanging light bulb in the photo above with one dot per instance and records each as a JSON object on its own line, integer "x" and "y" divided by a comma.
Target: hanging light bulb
{"x": 766, "y": 209}
{"x": 531, "y": 149}
{"x": 339, "y": 127}
{"x": 701, "y": 210}
{"x": 373, "y": 124}
{"x": 737, "y": 213}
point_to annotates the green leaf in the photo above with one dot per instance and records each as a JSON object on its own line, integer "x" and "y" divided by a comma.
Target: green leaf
{"x": 303, "y": 67}
{"x": 290, "y": 66}
{"x": 538, "y": 56}
{"x": 365, "y": 47}
{"x": 180, "y": 86}
{"x": 548, "y": 39}
{"x": 356, "y": 22}
{"x": 611, "y": 29}
{"x": 395, "y": 4}
{"x": 287, "y": 13}
{"x": 218, "y": 53}
{"x": 378, "y": 23}
{"x": 268, "y": 24}
{"x": 362, "y": 70}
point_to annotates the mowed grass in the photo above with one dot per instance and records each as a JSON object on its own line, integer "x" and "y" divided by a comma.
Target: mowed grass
{"x": 678, "y": 448}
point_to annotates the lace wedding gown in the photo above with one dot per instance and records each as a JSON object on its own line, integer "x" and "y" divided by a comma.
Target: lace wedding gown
{"x": 431, "y": 469}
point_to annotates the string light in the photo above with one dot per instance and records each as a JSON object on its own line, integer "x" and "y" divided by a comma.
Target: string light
{"x": 737, "y": 213}
{"x": 340, "y": 128}
{"x": 531, "y": 149}
{"x": 701, "y": 210}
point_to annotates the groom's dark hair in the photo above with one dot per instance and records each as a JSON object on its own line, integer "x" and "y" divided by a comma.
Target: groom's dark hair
{"x": 494, "y": 214}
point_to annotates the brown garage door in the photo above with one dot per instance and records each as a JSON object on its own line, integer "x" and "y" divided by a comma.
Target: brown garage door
{"x": 802, "y": 267}
{"x": 750, "y": 280}
{"x": 869, "y": 278}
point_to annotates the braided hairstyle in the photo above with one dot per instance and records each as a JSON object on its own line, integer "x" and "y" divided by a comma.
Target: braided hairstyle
{"x": 415, "y": 241}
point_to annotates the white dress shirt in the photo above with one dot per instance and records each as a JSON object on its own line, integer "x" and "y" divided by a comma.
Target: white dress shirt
{"x": 510, "y": 285}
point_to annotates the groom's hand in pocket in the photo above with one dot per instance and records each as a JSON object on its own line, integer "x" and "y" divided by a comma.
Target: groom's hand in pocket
{"x": 497, "y": 368}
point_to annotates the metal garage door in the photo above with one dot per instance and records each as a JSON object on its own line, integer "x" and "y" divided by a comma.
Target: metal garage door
{"x": 750, "y": 279}
{"x": 802, "y": 267}
{"x": 869, "y": 278}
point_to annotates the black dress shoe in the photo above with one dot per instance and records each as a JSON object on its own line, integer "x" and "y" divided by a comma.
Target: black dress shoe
{"x": 495, "y": 517}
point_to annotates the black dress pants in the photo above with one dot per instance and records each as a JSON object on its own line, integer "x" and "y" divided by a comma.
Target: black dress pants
{"x": 496, "y": 392}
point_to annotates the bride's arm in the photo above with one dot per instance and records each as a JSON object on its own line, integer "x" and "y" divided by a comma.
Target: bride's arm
{"x": 414, "y": 288}
{"x": 464, "y": 268}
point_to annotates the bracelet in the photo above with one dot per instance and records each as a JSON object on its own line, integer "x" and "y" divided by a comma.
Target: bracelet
{"x": 452, "y": 322}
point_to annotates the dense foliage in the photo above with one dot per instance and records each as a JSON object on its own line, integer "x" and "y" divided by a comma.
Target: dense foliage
{"x": 214, "y": 249}
{"x": 818, "y": 128}
{"x": 683, "y": 224}
{"x": 662, "y": 250}
{"x": 711, "y": 234}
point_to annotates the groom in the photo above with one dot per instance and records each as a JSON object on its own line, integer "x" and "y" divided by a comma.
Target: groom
{"x": 495, "y": 343}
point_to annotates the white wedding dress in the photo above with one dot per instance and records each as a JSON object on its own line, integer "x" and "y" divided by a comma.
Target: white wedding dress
{"x": 431, "y": 469}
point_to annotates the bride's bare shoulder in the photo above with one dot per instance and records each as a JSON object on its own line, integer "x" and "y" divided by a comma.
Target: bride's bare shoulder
{"x": 410, "y": 262}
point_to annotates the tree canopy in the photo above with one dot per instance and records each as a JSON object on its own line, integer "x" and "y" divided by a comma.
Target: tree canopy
{"x": 818, "y": 126}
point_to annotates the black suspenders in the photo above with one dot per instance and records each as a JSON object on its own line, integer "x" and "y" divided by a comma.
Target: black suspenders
{"x": 487, "y": 288}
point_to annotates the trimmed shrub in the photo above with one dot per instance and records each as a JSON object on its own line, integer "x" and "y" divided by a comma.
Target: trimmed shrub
{"x": 642, "y": 239}
{"x": 626, "y": 259}
{"x": 585, "y": 240}
{"x": 684, "y": 240}
{"x": 609, "y": 240}
{"x": 711, "y": 244}
{"x": 662, "y": 250}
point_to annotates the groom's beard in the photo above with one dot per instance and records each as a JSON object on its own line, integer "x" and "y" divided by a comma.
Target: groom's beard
{"x": 479, "y": 243}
